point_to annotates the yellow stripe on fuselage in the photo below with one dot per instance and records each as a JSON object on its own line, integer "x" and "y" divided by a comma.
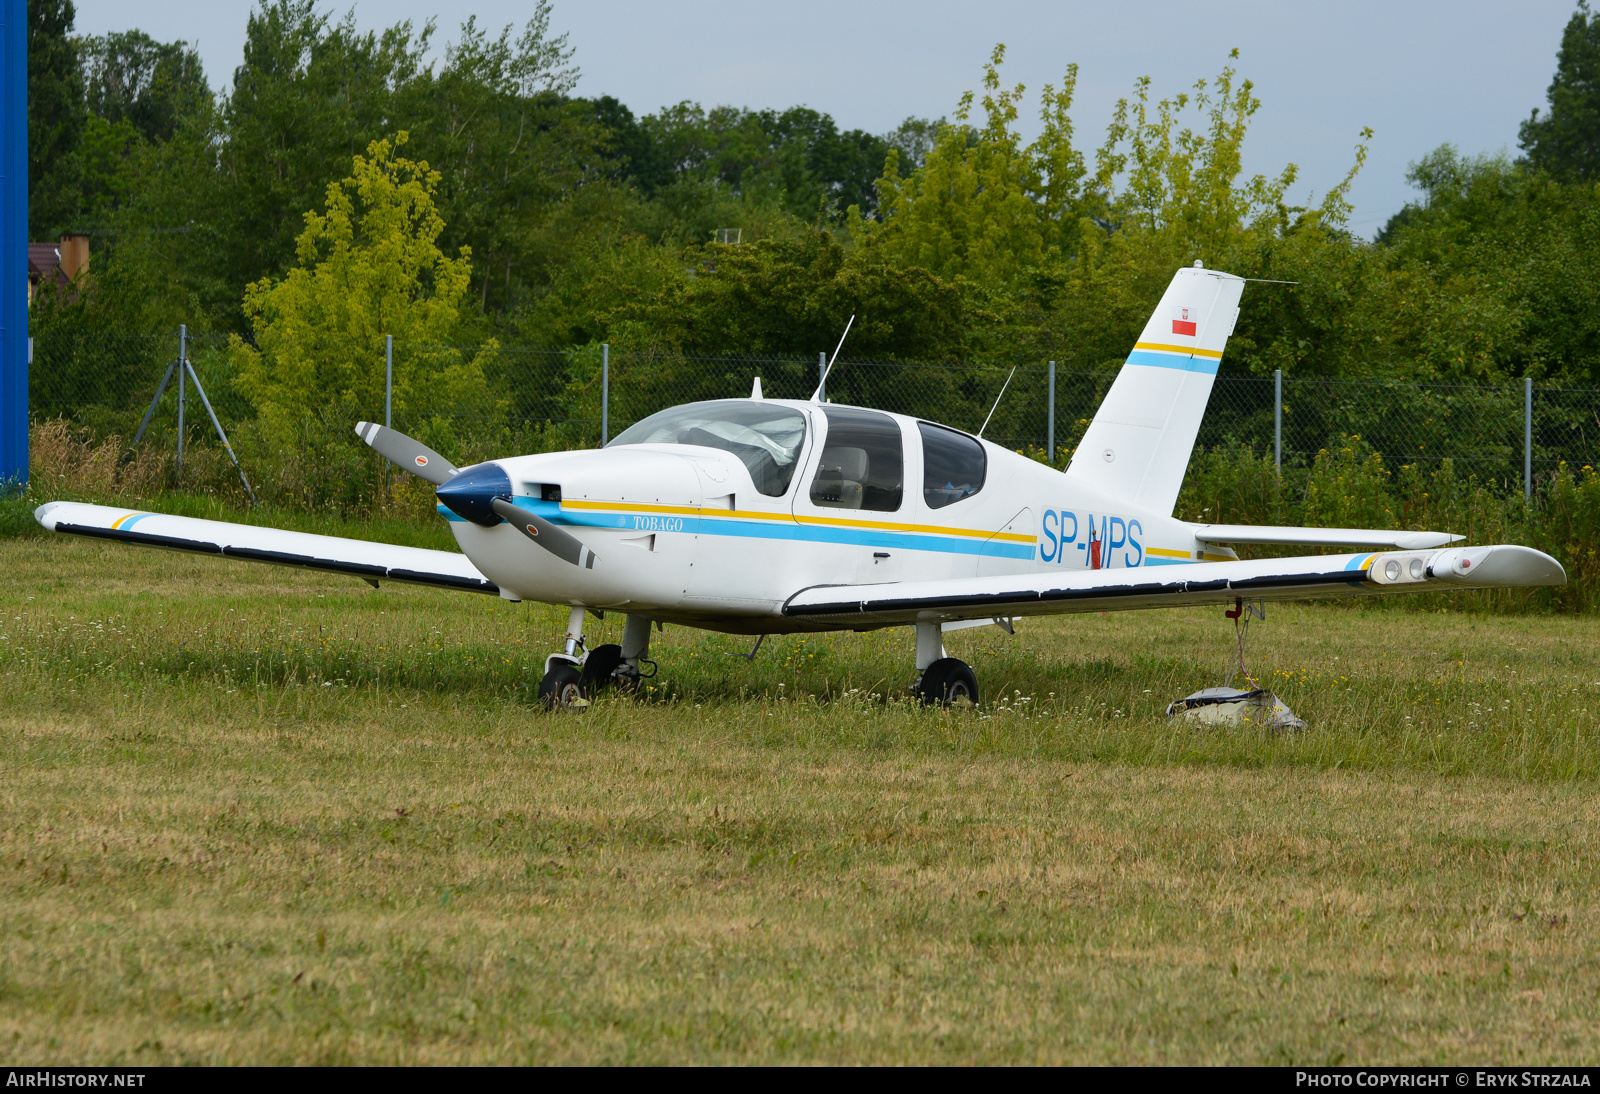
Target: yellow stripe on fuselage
{"x": 1162, "y": 552}
{"x": 1187, "y": 351}
{"x": 118, "y": 522}
{"x": 834, "y": 522}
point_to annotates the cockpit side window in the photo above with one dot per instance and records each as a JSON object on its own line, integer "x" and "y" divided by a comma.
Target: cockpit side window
{"x": 953, "y": 465}
{"x": 766, "y": 437}
{"x": 862, "y": 464}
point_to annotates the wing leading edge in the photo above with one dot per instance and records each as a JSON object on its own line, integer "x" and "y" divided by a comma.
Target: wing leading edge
{"x": 331, "y": 554}
{"x": 1300, "y": 578}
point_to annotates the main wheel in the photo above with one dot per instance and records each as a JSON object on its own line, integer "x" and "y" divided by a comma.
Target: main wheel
{"x": 948, "y": 681}
{"x": 562, "y": 688}
{"x": 598, "y": 667}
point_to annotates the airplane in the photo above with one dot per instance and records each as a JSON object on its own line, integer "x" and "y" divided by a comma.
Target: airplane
{"x": 774, "y": 516}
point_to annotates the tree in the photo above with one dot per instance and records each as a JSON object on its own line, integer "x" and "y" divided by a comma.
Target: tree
{"x": 1503, "y": 268}
{"x": 510, "y": 146}
{"x": 912, "y": 140}
{"x": 56, "y": 118}
{"x": 1565, "y": 141}
{"x": 369, "y": 266}
{"x": 981, "y": 205}
{"x": 153, "y": 86}
{"x": 793, "y": 294}
{"x": 309, "y": 94}
{"x": 796, "y": 160}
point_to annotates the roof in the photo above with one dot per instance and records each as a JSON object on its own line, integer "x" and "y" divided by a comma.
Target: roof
{"x": 44, "y": 259}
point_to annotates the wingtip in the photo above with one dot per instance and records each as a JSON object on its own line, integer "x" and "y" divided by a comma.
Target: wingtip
{"x": 42, "y": 515}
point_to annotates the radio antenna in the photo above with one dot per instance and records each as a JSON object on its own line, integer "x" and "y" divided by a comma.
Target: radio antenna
{"x": 815, "y": 395}
{"x": 997, "y": 399}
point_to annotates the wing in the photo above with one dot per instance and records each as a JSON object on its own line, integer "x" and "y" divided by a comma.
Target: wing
{"x": 1300, "y": 578}
{"x": 360, "y": 558}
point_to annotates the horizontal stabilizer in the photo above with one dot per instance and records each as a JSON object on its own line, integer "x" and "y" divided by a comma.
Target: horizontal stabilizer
{"x": 1055, "y": 593}
{"x": 331, "y": 554}
{"x": 1322, "y": 537}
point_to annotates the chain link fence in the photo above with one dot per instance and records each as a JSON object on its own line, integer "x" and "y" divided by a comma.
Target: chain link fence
{"x": 473, "y": 402}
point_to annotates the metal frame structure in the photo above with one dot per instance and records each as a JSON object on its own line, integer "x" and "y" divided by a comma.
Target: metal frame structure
{"x": 14, "y": 244}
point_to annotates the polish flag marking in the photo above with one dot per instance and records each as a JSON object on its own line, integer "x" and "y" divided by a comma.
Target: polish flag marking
{"x": 1183, "y": 321}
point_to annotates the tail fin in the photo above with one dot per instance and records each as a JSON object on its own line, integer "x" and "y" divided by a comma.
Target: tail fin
{"x": 1137, "y": 448}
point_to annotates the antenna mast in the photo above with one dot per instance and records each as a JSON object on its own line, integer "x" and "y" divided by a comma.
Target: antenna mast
{"x": 827, "y": 371}
{"x": 997, "y": 399}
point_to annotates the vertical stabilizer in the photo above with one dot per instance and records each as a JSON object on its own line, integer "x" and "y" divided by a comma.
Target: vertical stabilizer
{"x": 1137, "y": 448}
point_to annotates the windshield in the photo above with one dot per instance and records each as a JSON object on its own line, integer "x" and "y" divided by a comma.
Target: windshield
{"x": 766, "y": 438}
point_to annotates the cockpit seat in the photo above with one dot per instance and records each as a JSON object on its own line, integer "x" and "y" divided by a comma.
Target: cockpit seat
{"x": 840, "y": 476}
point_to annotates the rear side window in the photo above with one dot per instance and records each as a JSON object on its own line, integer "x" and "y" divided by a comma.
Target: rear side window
{"x": 862, "y": 464}
{"x": 953, "y": 465}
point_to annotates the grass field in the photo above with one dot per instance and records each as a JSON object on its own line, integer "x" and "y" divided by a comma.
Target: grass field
{"x": 252, "y": 815}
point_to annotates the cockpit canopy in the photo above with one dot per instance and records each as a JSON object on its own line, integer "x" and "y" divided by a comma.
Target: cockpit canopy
{"x": 766, "y": 437}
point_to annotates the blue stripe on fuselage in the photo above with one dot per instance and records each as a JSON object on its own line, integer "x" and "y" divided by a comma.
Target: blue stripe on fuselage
{"x": 783, "y": 529}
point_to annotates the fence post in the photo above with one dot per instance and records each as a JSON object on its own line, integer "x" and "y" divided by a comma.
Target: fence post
{"x": 822, "y": 377}
{"x": 605, "y": 393}
{"x": 1527, "y": 436}
{"x": 1277, "y": 419}
{"x": 1050, "y": 419}
{"x": 388, "y": 381}
{"x": 183, "y": 368}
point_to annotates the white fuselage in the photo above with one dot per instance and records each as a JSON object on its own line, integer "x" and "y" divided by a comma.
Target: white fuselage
{"x": 682, "y": 534}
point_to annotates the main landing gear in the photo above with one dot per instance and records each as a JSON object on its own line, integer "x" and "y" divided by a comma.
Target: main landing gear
{"x": 941, "y": 680}
{"x": 572, "y": 677}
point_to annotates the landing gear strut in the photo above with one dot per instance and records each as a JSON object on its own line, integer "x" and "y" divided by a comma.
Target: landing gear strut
{"x": 562, "y": 686}
{"x": 942, "y": 680}
{"x": 574, "y": 675}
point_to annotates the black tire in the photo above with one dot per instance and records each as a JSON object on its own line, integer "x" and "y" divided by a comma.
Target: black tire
{"x": 598, "y": 667}
{"x": 562, "y": 688}
{"x": 947, "y": 681}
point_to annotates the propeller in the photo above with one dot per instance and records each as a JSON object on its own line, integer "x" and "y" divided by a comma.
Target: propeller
{"x": 407, "y": 453}
{"x": 481, "y": 493}
{"x": 557, "y": 541}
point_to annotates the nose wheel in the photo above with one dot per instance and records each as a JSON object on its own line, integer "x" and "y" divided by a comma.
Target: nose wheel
{"x": 562, "y": 688}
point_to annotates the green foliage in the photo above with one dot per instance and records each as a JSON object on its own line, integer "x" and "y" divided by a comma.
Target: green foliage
{"x": 152, "y": 86}
{"x": 1496, "y": 273}
{"x": 369, "y": 266}
{"x": 309, "y": 94}
{"x": 795, "y": 291}
{"x": 56, "y": 119}
{"x": 794, "y": 159}
{"x": 1565, "y": 141}
{"x": 981, "y": 205}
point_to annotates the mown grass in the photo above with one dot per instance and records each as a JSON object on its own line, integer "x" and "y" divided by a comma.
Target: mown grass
{"x": 258, "y": 815}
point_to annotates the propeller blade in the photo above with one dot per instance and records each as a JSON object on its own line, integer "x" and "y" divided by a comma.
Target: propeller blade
{"x": 557, "y": 541}
{"x": 406, "y": 453}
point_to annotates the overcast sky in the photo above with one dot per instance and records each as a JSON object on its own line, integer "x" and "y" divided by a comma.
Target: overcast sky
{"x": 1419, "y": 72}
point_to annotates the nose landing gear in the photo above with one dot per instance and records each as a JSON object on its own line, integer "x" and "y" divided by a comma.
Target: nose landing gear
{"x": 941, "y": 680}
{"x": 572, "y": 677}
